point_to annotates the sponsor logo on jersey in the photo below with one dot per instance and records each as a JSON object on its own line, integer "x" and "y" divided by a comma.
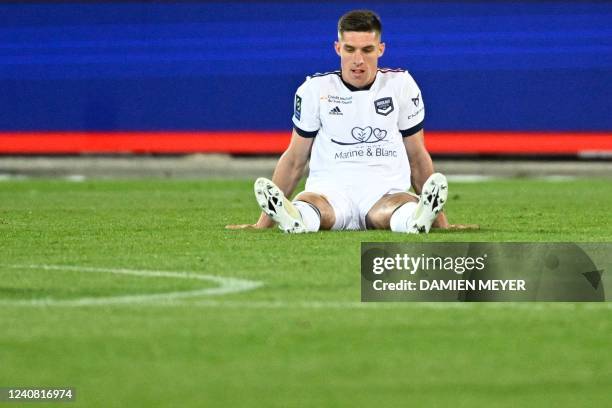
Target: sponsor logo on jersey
{"x": 345, "y": 100}
{"x": 416, "y": 100}
{"x": 364, "y": 135}
{"x": 383, "y": 106}
{"x": 370, "y": 152}
{"x": 415, "y": 114}
{"x": 335, "y": 111}
{"x": 297, "y": 111}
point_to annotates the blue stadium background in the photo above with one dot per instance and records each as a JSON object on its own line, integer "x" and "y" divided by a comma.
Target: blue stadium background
{"x": 234, "y": 66}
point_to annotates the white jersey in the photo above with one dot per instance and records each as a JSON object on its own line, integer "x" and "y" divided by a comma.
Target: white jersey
{"x": 359, "y": 132}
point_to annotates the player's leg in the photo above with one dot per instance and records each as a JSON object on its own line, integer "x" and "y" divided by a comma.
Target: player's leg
{"x": 308, "y": 213}
{"x": 402, "y": 212}
{"x": 379, "y": 216}
{"x": 307, "y": 201}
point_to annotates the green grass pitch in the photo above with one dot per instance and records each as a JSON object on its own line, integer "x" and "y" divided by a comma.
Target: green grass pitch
{"x": 302, "y": 339}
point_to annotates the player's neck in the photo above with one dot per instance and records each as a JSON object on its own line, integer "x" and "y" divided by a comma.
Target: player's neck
{"x": 353, "y": 88}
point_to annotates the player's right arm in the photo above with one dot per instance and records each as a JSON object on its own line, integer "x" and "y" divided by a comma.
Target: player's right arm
{"x": 292, "y": 163}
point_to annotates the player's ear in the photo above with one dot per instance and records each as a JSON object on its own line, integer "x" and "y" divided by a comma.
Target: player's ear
{"x": 337, "y": 47}
{"x": 381, "y": 49}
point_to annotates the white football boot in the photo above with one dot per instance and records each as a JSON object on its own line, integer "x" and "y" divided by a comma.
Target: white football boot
{"x": 432, "y": 200}
{"x": 274, "y": 203}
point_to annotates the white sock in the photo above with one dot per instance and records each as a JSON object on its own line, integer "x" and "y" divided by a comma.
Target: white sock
{"x": 400, "y": 217}
{"x": 310, "y": 215}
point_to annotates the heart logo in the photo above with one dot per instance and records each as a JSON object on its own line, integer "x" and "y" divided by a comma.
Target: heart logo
{"x": 379, "y": 134}
{"x": 362, "y": 134}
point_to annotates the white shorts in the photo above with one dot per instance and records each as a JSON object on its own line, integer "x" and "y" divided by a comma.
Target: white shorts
{"x": 351, "y": 205}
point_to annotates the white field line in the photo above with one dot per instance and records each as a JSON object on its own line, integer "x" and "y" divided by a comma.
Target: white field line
{"x": 234, "y": 285}
{"x": 226, "y": 286}
{"x": 479, "y": 178}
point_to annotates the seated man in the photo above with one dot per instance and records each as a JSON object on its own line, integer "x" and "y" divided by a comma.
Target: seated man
{"x": 362, "y": 129}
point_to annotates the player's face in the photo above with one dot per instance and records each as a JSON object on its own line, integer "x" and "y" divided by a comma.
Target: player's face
{"x": 359, "y": 53}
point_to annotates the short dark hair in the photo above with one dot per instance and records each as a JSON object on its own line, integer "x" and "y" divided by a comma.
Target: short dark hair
{"x": 361, "y": 21}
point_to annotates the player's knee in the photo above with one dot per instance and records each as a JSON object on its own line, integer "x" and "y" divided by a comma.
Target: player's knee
{"x": 379, "y": 216}
{"x": 328, "y": 217}
{"x": 377, "y": 220}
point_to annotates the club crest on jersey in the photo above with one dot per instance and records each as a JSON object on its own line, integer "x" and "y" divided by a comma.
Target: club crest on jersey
{"x": 383, "y": 106}
{"x": 297, "y": 111}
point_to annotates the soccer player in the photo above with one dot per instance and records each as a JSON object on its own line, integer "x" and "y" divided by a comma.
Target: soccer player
{"x": 362, "y": 129}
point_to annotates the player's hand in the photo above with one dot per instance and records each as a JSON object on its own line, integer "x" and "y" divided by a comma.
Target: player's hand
{"x": 463, "y": 226}
{"x": 241, "y": 226}
{"x": 441, "y": 222}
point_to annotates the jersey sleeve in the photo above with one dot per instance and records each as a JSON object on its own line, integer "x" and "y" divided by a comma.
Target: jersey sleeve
{"x": 306, "y": 119}
{"x": 412, "y": 109}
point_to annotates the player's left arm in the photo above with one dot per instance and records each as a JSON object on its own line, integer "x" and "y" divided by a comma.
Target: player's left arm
{"x": 421, "y": 167}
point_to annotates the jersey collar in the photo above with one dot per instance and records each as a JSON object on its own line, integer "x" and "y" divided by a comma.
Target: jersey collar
{"x": 355, "y": 89}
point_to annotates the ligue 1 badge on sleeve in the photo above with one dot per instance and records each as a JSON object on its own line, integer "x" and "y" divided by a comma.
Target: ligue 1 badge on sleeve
{"x": 383, "y": 106}
{"x": 298, "y": 107}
